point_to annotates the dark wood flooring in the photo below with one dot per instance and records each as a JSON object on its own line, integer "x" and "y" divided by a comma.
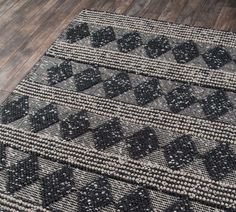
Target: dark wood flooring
{"x": 28, "y": 27}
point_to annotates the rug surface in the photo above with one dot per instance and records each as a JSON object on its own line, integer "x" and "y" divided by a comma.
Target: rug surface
{"x": 123, "y": 114}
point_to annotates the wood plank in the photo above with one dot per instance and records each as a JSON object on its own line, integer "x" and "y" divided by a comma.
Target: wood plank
{"x": 207, "y": 13}
{"x": 149, "y": 9}
{"x": 116, "y": 6}
{"x": 18, "y": 20}
{"x": 123, "y": 6}
{"x": 8, "y": 58}
{"x": 25, "y": 33}
{"x": 6, "y": 5}
{"x": 136, "y": 6}
{"x": 188, "y": 14}
{"x": 41, "y": 42}
{"x": 9, "y": 15}
{"x": 104, "y": 5}
{"x": 12, "y": 37}
{"x": 227, "y": 18}
{"x": 172, "y": 10}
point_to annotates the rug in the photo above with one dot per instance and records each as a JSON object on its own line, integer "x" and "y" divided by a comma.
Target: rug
{"x": 123, "y": 114}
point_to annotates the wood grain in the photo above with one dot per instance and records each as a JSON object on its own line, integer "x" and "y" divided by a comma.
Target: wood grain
{"x": 226, "y": 19}
{"x": 168, "y": 14}
{"x": 189, "y": 12}
{"x": 6, "y": 5}
{"x": 208, "y": 12}
{"x": 20, "y": 30}
{"x": 152, "y": 9}
{"x": 28, "y": 27}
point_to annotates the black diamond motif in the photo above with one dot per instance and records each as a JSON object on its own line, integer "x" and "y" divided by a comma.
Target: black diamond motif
{"x": 220, "y": 161}
{"x": 77, "y": 32}
{"x": 216, "y": 105}
{"x": 95, "y": 195}
{"x": 216, "y": 57}
{"x": 117, "y": 85}
{"x": 103, "y": 37}
{"x": 185, "y": 52}
{"x": 182, "y": 205}
{"x": 180, "y": 98}
{"x": 2, "y": 156}
{"x": 44, "y": 118}
{"x": 57, "y": 185}
{"x": 157, "y": 46}
{"x": 142, "y": 143}
{"x": 147, "y": 91}
{"x": 24, "y": 173}
{"x": 15, "y": 110}
{"x": 180, "y": 152}
{"x": 107, "y": 134}
{"x": 74, "y": 125}
{"x": 137, "y": 201}
{"x": 87, "y": 79}
{"x": 129, "y": 42}
{"x": 59, "y": 73}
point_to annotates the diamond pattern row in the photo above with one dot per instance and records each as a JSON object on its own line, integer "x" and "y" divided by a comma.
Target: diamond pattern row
{"x": 92, "y": 196}
{"x": 214, "y": 105}
{"x": 215, "y": 58}
{"x": 178, "y": 153}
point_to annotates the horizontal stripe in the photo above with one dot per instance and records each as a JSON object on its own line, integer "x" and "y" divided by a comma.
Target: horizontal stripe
{"x": 10, "y": 203}
{"x": 147, "y": 116}
{"x": 146, "y": 66}
{"x": 156, "y": 177}
{"x": 172, "y": 30}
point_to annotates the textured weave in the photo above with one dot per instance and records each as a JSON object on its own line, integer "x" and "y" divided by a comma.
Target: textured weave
{"x": 123, "y": 114}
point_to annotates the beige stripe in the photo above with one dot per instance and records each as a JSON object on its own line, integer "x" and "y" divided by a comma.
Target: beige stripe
{"x": 147, "y": 116}
{"x": 146, "y": 66}
{"x": 157, "y": 177}
{"x": 11, "y": 203}
{"x": 172, "y": 30}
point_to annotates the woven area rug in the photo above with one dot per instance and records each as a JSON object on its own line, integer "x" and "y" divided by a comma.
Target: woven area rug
{"x": 123, "y": 114}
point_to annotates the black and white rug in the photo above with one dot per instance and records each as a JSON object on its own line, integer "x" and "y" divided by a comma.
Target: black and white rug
{"x": 123, "y": 114}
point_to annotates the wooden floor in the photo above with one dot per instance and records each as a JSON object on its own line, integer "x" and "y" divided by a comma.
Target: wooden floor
{"x": 28, "y": 27}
